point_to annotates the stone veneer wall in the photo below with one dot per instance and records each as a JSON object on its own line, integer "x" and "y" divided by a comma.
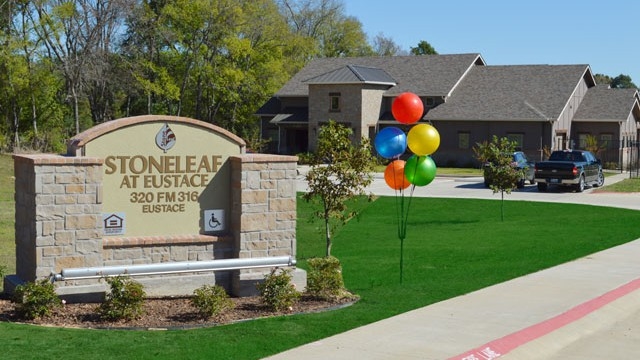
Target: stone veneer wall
{"x": 263, "y": 218}
{"x": 158, "y": 249}
{"x": 59, "y": 223}
{"x": 58, "y": 214}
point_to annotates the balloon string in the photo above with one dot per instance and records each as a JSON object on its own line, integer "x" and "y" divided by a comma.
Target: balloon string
{"x": 400, "y": 211}
{"x": 405, "y": 212}
{"x": 402, "y": 215}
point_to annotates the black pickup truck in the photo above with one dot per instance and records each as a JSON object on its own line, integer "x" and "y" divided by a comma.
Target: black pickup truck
{"x": 575, "y": 168}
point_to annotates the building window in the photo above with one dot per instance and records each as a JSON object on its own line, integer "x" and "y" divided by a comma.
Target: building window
{"x": 517, "y": 139}
{"x": 582, "y": 140}
{"x": 429, "y": 102}
{"x": 606, "y": 140}
{"x": 334, "y": 102}
{"x": 463, "y": 140}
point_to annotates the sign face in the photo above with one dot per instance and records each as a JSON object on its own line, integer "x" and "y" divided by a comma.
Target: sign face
{"x": 169, "y": 175}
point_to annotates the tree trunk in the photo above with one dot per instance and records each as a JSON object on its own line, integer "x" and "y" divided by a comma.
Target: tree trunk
{"x": 327, "y": 232}
{"x": 328, "y": 237}
{"x": 34, "y": 114}
{"x": 76, "y": 114}
{"x": 16, "y": 124}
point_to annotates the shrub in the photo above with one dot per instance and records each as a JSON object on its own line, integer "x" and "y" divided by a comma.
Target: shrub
{"x": 277, "y": 291}
{"x": 124, "y": 301}
{"x": 305, "y": 158}
{"x": 611, "y": 165}
{"x": 3, "y": 271}
{"x": 36, "y": 299}
{"x": 324, "y": 279}
{"x": 211, "y": 300}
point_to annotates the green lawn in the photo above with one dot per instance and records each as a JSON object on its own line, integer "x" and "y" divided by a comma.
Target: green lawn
{"x": 624, "y": 186}
{"x": 453, "y": 246}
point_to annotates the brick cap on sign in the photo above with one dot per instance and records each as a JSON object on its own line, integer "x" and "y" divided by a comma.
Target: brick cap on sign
{"x": 263, "y": 158}
{"x": 55, "y": 159}
{"x": 136, "y": 241}
{"x": 79, "y": 141}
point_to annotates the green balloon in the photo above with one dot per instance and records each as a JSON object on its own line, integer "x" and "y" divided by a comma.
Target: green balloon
{"x": 420, "y": 170}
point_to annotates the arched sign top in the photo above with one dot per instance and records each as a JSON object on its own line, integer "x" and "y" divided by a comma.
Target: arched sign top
{"x": 78, "y": 142}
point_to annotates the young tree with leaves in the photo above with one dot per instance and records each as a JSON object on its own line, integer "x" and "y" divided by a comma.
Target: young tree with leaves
{"x": 622, "y": 82}
{"x": 497, "y": 159}
{"x": 423, "y": 48}
{"x": 325, "y": 23}
{"x": 592, "y": 144}
{"x": 339, "y": 171}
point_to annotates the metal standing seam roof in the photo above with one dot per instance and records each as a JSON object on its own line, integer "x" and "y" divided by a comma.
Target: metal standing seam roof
{"x": 602, "y": 103}
{"x": 512, "y": 93}
{"x": 354, "y": 74}
{"x": 426, "y": 75}
{"x": 291, "y": 116}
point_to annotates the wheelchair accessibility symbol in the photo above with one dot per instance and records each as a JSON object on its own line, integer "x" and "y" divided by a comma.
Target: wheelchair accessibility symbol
{"x": 214, "y": 220}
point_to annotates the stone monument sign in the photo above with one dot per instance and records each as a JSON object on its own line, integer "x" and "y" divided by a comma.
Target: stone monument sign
{"x": 135, "y": 193}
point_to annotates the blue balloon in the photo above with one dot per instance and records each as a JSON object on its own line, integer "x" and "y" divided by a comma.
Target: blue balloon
{"x": 391, "y": 142}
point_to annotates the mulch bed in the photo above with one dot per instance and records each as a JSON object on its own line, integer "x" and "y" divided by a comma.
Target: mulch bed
{"x": 166, "y": 313}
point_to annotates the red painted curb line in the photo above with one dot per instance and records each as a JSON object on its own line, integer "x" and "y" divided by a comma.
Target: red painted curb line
{"x": 504, "y": 345}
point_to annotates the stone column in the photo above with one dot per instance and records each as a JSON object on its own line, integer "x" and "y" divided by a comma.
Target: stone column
{"x": 58, "y": 215}
{"x": 263, "y": 214}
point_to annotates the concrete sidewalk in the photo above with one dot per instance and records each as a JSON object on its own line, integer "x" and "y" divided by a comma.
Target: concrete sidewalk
{"x": 585, "y": 309}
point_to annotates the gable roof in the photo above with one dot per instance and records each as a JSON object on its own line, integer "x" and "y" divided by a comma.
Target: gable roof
{"x": 512, "y": 93}
{"x": 354, "y": 74}
{"x": 601, "y": 103}
{"x": 425, "y": 75}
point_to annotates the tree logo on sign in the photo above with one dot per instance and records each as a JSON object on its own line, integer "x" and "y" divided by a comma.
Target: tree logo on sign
{"x": 165, "y": 138}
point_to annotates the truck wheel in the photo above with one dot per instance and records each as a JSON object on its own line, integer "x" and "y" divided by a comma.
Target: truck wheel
{"x": 600, "y": 180}
{"x": 580, "y": 185}
{"x": 520, "y": 184}
{"x": 542, "y": 187}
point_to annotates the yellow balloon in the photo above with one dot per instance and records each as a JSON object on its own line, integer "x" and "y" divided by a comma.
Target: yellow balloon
{"x": 423, "y": 139}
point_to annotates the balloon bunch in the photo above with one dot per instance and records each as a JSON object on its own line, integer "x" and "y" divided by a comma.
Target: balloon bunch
{"x": 419, "y": 169}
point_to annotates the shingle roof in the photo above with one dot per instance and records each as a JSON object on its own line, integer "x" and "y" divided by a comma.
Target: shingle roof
{"x": 271, "y": 107}
{"x": 354, "y": 74}
{"x": 426, "y": 75}
{"x": 511, "y": 93}
{"x": 604, "y": 104}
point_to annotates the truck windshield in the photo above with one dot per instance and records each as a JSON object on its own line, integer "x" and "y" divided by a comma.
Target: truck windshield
{"x": 566, "y": 156}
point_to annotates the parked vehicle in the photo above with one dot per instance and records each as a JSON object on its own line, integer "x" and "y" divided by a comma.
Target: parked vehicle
{"x": 574, "y": 168}
{"x": 520, "y": 162}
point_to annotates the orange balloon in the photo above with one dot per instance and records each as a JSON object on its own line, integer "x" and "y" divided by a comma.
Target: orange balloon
{"x": 394, "y": 175}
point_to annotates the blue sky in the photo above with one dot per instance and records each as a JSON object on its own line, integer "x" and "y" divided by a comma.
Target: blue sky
{"x": 603, "y": 34}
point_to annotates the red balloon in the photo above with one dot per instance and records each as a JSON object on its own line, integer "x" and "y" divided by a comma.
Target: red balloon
{"x": 407, "y": 108}
{"x": 394, "y": 175}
